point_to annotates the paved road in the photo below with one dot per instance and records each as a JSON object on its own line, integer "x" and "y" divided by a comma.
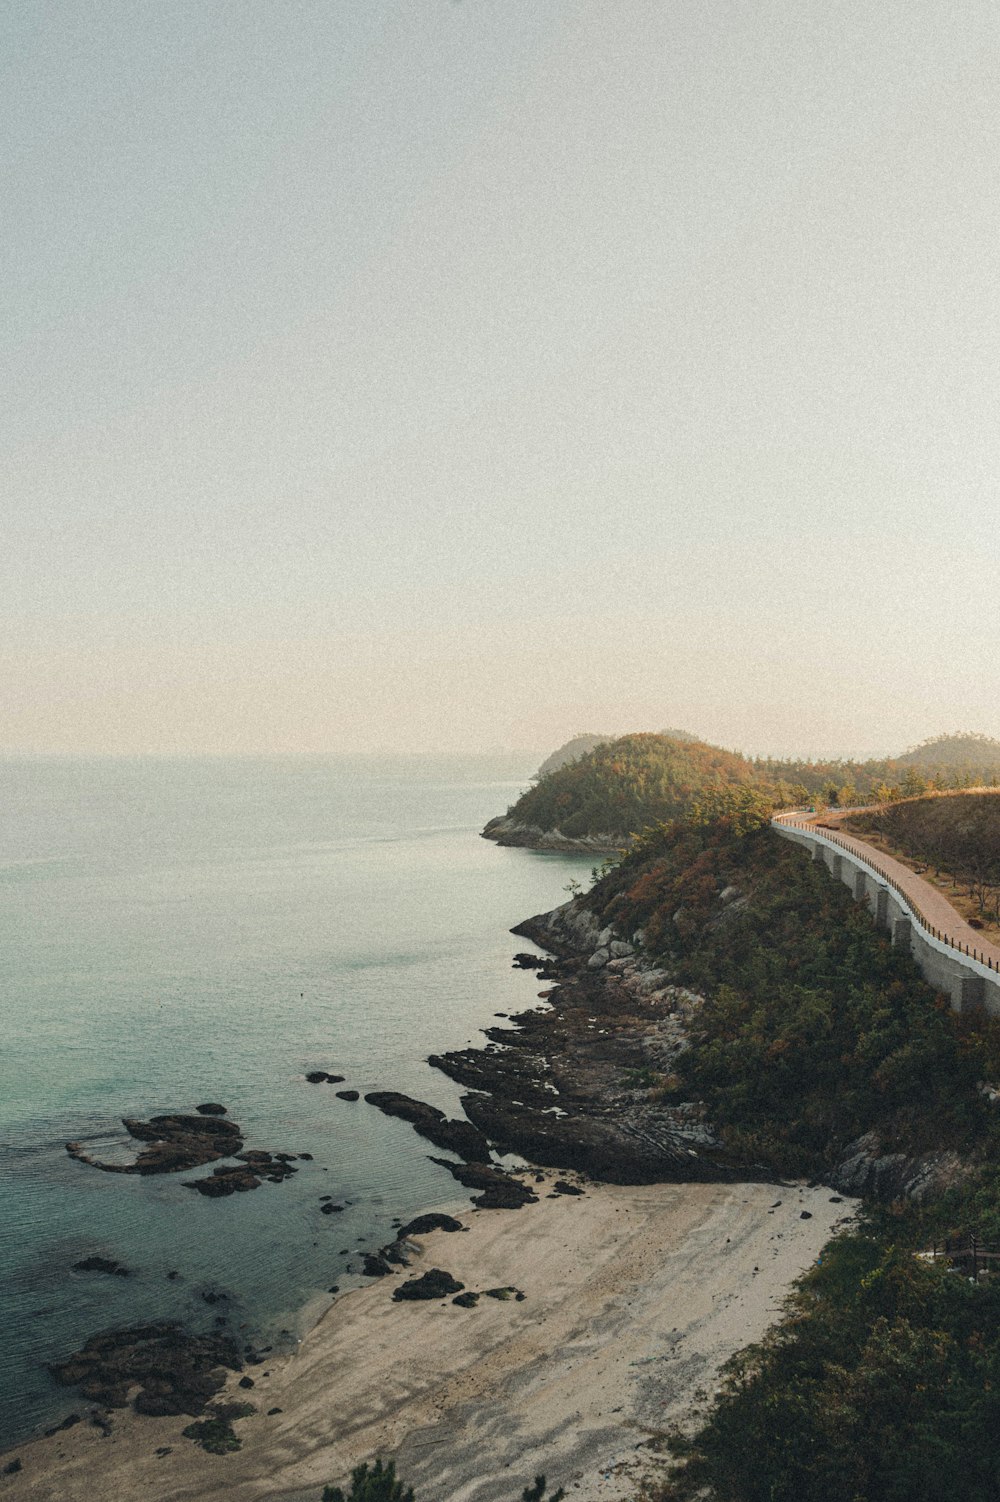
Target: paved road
{"x": 935, "y": 908}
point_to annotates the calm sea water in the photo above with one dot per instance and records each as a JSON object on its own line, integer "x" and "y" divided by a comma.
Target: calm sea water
{"x": 178, "y": 931}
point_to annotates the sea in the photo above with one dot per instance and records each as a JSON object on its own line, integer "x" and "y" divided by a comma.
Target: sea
{"x": 181, "y": 931}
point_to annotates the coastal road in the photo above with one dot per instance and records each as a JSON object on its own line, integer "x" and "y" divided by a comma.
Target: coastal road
{"x": 932, "y": 905}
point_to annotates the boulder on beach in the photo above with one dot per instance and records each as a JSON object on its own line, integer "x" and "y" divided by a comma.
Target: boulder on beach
{"x": 424, "y": 1224}
{"x": 435, "y": 1284}
{"x": 500, "y": 1190}
{"x": 375, "y": 1265}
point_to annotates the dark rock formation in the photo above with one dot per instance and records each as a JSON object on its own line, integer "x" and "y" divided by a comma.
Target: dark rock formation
{"x": 868, "y": 1170}
{"x": 375, "y": 1265}
{"x": 561, "y": 1187}
{"x": 348, "y": 1094}
{"x": 175, "y": 1143}
{"x": 435, "y": 1284}
{"x": 454, "y": 1136}
{"x": 427, "y": 1223}
{"x": 558, "y": 1085}
{"x": 175, "y": 1371}
{"x": 211, "y": 1108}
{"x": 500, "y": 1190}
{"x": 466, "y": 1300}
{"x": 68, "y": 1422}
{"x": 225, "y": 1181}
{"x": 320, "y": 1077}
{"x": 507, "y": 831}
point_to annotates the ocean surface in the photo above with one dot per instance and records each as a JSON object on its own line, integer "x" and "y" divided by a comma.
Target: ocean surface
{"x": 174, "y": 931}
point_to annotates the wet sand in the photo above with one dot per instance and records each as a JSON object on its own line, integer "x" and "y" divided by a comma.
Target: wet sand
{"x": 634, "y": 1298}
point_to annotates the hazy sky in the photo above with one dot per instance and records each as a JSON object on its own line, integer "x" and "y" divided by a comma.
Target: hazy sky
{"x": 445, "y": 375}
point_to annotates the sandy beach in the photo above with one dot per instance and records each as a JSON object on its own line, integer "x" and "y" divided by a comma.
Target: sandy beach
{"x": 633, "y": 1299}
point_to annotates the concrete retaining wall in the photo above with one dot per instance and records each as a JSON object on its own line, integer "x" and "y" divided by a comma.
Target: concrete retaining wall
{"x": 970, "y": 985}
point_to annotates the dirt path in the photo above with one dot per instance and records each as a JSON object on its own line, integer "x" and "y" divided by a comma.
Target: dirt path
{"x": 931, "y": 904}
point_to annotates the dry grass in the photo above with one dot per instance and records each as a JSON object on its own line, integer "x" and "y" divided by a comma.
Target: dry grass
{"x": 952, "y": 840}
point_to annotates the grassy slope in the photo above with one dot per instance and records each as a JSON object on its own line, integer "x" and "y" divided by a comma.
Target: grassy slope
{"x": 956, "y": 836}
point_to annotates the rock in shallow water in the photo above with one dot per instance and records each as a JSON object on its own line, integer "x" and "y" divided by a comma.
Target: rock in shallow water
{"x": 175, "y": 1142}
{"x": 454, "y": 1136}
{"x": 101, "y": 1265}
{"x": 175, "y": 1372}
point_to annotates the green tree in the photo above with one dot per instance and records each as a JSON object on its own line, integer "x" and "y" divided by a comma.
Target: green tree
{"x": 375, "y": 1484}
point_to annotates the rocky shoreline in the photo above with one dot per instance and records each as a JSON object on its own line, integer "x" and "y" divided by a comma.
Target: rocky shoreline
{"x": 568, "y": 1084}
{"x": 504, "y": 830}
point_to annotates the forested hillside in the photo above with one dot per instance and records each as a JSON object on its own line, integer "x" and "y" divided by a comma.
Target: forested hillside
{"x": 625, "y": 785}
{"x": 618, "y": 788}
{"x": 572, "y": 750}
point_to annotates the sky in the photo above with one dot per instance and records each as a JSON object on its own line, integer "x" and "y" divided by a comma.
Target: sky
{"x": 449, "y": 375}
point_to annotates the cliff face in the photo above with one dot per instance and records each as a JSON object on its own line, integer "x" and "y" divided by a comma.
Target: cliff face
{"x": 570, "y": 1085}
{"x": 508, "y": 831}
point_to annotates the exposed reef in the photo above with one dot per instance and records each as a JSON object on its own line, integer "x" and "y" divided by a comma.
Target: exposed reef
{"x": 174, "y": 1371}
{"x": 454, "y": 1136}
{"x": 176, "y": 1143}
{"x": 572, "y": 1085}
